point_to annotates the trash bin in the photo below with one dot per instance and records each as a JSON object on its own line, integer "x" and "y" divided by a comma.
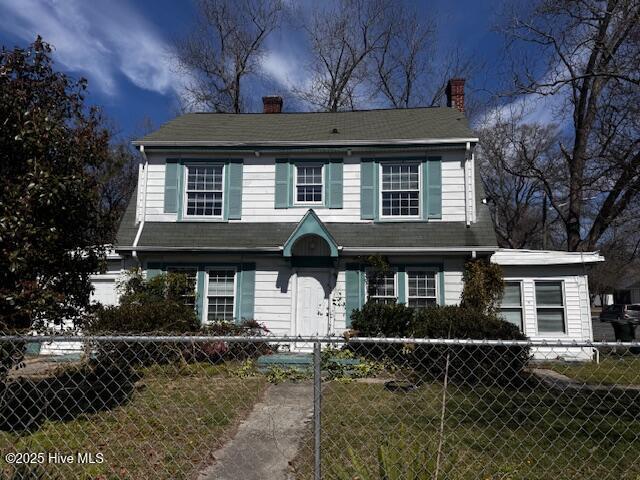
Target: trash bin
{"x": 625, "y": 332}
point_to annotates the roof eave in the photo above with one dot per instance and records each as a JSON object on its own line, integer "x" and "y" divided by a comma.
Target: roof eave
{"x": 332, "y": 143}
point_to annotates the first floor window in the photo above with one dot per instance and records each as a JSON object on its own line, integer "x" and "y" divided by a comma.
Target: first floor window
{"x": 220, "y": 295}
{"x": 204, "y": 190}
{"x": 511, "y": 305}
{"x": 308, "y": 183}
{"x": 550, "y": 307}
{"x": 192, "y": 278}
{"x": 381, "y": 288}
{"x": 400, "y": 190}
{"x": 422, "y": 288}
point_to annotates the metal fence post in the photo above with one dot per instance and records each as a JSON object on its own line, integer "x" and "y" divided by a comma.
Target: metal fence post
{"x": 317, "y": 397}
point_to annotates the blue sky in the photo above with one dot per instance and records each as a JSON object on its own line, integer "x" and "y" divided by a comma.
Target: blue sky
{"x": 123, "y": 48}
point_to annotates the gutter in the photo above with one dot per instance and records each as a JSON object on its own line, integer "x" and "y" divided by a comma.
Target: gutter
{"x": 134, "y": 252}
{"x": 297, "y": 143}
{"x": 345, "y": 250}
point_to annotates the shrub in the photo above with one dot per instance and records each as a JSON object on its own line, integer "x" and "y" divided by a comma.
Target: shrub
{"x": 483, "y": 286}
{"x": 467, "y": 363}
{"x": 377, "y": 319}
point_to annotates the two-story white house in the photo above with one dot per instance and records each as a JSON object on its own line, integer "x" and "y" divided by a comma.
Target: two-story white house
{"x": 273, "y": 214}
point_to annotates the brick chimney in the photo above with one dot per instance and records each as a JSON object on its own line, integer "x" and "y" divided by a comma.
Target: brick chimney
{"x": 272, "y": 104}
{"x": 455, "y": 93}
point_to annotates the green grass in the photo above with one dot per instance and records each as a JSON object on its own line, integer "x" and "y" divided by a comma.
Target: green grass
{"x": 613, "y": 369}
{"x": 489, "y": 433}
{"x": 177, "y": 416}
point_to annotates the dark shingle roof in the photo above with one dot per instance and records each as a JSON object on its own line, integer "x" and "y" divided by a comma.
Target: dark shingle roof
{"x": 365, "y": 126}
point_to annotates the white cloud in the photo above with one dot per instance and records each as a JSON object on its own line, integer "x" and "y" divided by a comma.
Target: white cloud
{"x": 285, "y": 68}
{"x": 101, "y": 40}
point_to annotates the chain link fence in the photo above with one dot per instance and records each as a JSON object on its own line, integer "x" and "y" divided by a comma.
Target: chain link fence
{"x": 116, "y": 407}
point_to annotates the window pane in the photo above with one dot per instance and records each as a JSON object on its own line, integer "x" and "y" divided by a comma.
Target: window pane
{"x": 400, "y": 203}
{"x": 551, "y": 320}
{"x": 204, "y": 190}
{"x": 421, "y": 302}
{"x": 382, "y": 287}
{"x": 512, "y": 315}
{"x": 220, "y": 292}
{"x": 549, "y": 293}
{"x": 421, "y": 284}
{"x": 511, "y": 294}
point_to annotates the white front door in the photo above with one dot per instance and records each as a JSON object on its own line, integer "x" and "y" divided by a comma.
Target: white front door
{"x": 313, "y": 294}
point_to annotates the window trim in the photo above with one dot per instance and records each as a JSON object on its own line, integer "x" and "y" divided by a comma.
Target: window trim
{"x": 551, "y": 307}
{"x": 205, "y": 307}
{"x": 296, "y": 203}
{"x": 433, "y": 270}
{"x": 394, "y": 272}
{"x": 382, "y": 164}
{"x": 520, "y": 281}
{"x": 185, "y": 190}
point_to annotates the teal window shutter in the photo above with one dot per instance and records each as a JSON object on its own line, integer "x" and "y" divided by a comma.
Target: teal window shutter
{"x": 154, "y": 269}
{"x": 402, "y": 281}
{"x": 245, "y": 296}
{"x": 200, "y": 293}
{"x": 334, "y": 181}
{"x": 283, "y": 184}
{"x": 441, "y": 287}
{"x": 234, "y": 190}
{"x": 171, "y": 187}
{"x": 354, "y": 291}
{"x": 367, "y": 190}
{"x": 432, "y": 188}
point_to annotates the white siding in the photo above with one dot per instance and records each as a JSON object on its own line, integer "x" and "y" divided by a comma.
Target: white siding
{"x": 258, "y": 196}
{"x": 453, "y": 203}
{"x": 273, "y": 299}
{"x": 258, "y": 191}
{"x": 576, "y": 297}
{"x": 453, "y": 280}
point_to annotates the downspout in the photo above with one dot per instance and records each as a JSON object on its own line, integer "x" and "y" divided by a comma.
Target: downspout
{"x": 467, "y": 185}
{"x": 134, "y": 253}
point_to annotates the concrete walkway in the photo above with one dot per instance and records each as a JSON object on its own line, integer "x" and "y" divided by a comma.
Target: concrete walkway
{"x": 268, "y": 439}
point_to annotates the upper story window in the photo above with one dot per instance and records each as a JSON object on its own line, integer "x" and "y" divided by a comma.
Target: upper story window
{"x": 550, "y": 306}
{"x": 308, "y": 184}
{"x": 204, "y": 192}
{"x": 400, "y": 192}
{"x": 382, "y": 289}
{"x": 422, "y": 288}
{"x": 511, "y": 305}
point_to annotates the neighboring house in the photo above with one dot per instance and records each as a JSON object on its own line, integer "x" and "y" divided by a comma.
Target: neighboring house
{"x": 273, "y": 215}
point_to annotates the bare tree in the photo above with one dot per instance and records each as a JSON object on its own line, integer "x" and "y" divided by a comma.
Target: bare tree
{"x": 225, "y": 46}
{"x": 518, "y": 202}
{"x": 591, "y": 56}
{"x": 342, "y": 35}
{"x": 409, "y": 68}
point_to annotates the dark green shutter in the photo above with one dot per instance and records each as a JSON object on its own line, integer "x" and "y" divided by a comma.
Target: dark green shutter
{"x": 283, "y": 184}
{"x": 246, "y": 292}
{"x": 402, "y": 279}
{"x": 354, "y": 290}
{"x": 367, "y": 190}
{"x": 334, "y": 183}
{"x": 433, "y": 188}
{"x": 171, "y": 187}
{"x": 234, "y": 191}
{"x": 201, "y": 288}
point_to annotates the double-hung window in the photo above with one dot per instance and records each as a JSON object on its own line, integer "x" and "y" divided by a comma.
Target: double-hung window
{"x": 550, "y": 306}
{"x": 220, "y": 295}
{"x": 511, "y": 305}
{"x": 422, "y": 288}
{"x": 382, "y": 288}
{"x": 400, "y": 190}
{"x": 204, "y": 192}
{"x": 308, "y": 184}
{"x": 192, "y": 277}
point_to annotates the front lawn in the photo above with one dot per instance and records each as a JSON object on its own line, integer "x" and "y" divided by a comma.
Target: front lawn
{"x": 177, "y": 416}
{"x": 489, "y": 433}
{"x": 612, "y": 369}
